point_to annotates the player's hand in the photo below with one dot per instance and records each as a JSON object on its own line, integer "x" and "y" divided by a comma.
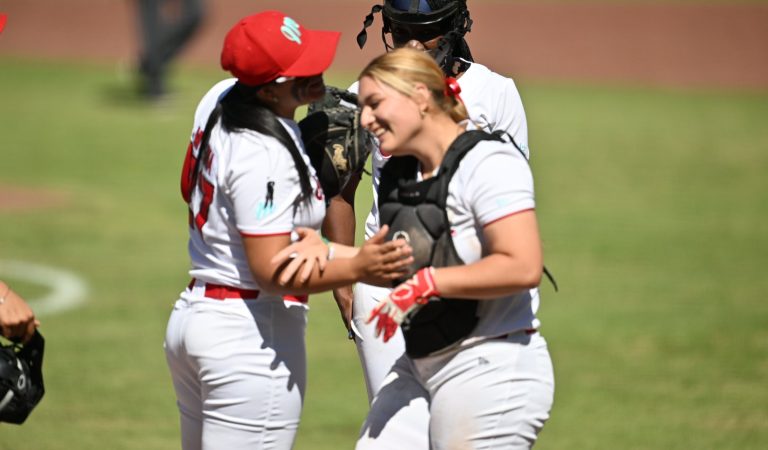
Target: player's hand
{"x": 381, "y": 262}
{"x": 403, "y": 301}
{"x": 309, "y": 250}
{"x": 17, "y": 320}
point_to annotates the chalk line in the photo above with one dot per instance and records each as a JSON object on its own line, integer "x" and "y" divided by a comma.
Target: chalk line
{"x": 66, "y": 289}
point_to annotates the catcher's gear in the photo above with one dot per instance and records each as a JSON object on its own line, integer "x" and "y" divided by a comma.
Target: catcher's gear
{"x": 403, "y": 302}
{"x": 21, "y": 379}
{"x": 336, "y": 143}
{"x": 424, "y": 20}
{"x": 417, "y": 212}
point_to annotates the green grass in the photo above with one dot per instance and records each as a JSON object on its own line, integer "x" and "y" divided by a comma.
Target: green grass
{"x": 653, "y": 206}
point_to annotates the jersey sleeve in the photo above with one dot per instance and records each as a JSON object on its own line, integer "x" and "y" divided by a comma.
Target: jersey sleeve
{"x": 262, "y": 185}
{"x": 498, "y": 184}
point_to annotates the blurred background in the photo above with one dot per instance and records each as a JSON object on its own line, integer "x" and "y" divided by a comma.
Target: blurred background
{"x": 647, "y": 124}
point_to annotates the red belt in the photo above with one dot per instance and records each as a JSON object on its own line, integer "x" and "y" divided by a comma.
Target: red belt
{"x": 221, "y": 292}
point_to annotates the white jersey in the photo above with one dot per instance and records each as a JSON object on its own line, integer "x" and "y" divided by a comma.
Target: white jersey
{"x": 493, "y": 181}
{"x": 249, "y": 187}
{"x": 476, "y": 190}
{"x": 493, "y": 103}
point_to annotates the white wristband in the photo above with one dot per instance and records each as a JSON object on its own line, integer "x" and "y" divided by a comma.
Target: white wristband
{"x": 331, "y": 251}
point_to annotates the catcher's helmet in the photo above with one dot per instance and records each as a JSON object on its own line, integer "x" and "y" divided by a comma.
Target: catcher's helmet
{"x": 336, "y": 143}
{"x": 21, "y": 379}
{"x": 424, "y": 20}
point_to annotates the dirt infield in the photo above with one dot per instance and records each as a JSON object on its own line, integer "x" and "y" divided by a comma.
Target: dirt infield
{"x": 674, "y": 45}
{"x": 671, "y": 45}
{"x": 15, "y": 198}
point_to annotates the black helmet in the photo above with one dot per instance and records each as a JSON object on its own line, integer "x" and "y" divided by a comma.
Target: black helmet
{"x": 21, "y": 379}
{"x": 424, "y": 20}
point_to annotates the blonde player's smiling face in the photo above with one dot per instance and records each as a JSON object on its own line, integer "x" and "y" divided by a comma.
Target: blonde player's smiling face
{"x": 392, "y": 117}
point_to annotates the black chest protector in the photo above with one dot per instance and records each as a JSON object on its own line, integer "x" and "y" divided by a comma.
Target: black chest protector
{"x": 416, "y": 211}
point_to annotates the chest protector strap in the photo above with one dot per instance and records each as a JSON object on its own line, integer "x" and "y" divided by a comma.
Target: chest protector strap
{"x": 416, "y": 211}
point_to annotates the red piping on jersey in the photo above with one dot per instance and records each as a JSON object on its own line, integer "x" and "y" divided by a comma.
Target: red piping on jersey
{"x": 282, "y": 233}
{"x": 508, "y": 215}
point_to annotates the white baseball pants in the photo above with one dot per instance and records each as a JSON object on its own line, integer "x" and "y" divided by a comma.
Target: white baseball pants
{"x": 494, "y": 395}
{"x": 377, "y": 359}
{"x": 239, "y": 371}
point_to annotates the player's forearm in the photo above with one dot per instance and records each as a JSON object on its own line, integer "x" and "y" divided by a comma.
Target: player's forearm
{"x": 492, "y": 277}
{"x": 267, "y": 273}
{"x": 339, "y": 223}
{"x": 338, "y": 272}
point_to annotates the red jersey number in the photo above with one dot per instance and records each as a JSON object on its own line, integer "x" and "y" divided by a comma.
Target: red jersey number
{"x": 206, "y": 187}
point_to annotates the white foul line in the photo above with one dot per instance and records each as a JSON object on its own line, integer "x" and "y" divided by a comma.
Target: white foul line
{"x": 67, "y": 290}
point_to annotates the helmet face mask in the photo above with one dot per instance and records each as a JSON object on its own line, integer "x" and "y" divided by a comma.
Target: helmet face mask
{"x": 405, "y": 26}
{"x": 441, "y": 23}
{"x": 403, "y": 32}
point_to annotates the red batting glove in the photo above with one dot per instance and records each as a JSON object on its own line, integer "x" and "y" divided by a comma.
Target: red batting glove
{"x": 404, "y": 300}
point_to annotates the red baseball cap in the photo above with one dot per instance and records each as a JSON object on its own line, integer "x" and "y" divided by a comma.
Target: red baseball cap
{"x": 3, "y": 18}
{"x": 268, "y": 45}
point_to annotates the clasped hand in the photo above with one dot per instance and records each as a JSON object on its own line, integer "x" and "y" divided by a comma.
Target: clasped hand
{"x": 376, "y": 262}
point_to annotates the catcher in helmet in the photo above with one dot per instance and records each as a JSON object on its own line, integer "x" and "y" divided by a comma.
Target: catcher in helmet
{"x": 493, "y": 102}
{"x": 437, "y": 26}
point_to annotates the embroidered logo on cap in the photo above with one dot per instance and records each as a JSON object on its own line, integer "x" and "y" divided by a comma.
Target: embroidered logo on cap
{"x": 290, "y": 30}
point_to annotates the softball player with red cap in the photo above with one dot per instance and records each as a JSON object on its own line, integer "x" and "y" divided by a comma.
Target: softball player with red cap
{"x": 235, "y": 339}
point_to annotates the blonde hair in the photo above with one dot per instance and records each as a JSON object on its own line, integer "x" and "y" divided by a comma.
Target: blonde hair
{"x": 402, "y": 68}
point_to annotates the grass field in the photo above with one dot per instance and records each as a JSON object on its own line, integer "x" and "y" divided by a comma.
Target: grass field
{"x": 653, "y": 206}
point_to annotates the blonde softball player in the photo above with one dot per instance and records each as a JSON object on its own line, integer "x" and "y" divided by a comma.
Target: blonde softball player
{"x": 493, "y": 103}
{"x": 484, "y": 376}
{"x": 493, "y": 387}
{"x": 235, "y": 339}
